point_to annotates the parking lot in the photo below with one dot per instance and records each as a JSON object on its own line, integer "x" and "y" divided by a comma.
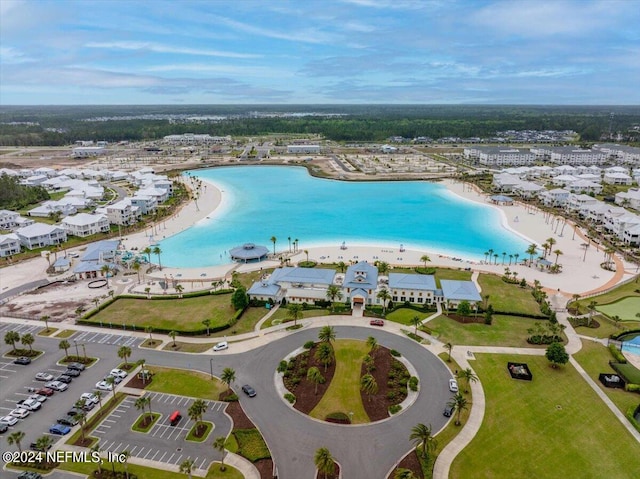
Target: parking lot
{"x": 163, "y": 443}
{"x": 104, "y": 338}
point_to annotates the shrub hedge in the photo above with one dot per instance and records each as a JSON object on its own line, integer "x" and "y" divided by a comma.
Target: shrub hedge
{"x": 617, "y": 355}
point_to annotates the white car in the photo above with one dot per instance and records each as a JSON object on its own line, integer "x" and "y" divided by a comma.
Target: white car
{"x": 20, "y": 413}
{"x": 44, "y": 377}
{"x": 221, "y": 345}
{"x": 30, "y": 404}
{"x": 89, "y": 398}
{"x": 38, "y": 397}
{"x": 453, "y": 385}
{"x": 104, "y": 386}
{"x": 119, "y": 373}
{"x": 9, "y": 420}
{"x": 57, "y": 385}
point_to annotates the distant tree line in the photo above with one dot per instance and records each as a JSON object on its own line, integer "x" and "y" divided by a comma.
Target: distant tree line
{"x": 14, "y": 196}
{"x": 57, "y": 126}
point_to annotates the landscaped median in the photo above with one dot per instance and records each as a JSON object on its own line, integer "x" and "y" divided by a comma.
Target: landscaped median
{"x": 107, "y": 406}
{"x": 145, "y": 422}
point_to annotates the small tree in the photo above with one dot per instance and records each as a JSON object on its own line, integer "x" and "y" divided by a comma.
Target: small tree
{"x": 422, "y": 437}
{"x": 368, "y": 385}
{"x": 464, "y": 308}
{"x": 403, "y": 473}
{"x": 315, "y": 376}
{"x": 218, "y": 444}
{"x": 327, "y": 334}
{"x": 458, "y": 403}
{"x": 557, "y": 354}
{"x": 228, "y": 376}
{"x": 45, "y": 318}
{"x": 468, "y": 376}
{"x": 28, "y": 339}
{"x": 16, "y": 438}
{"x": 124, "y": 352}
{"x": 172, "y": 335}
{"x": 294, "y": 312}
{"x": 64, "y": 344}
{"x": 11, "y": 338}
{"x": 448, "y": 347}
{"x": 207, "y": 324}
{"x": 415, "y": 322}
{"x": 324, "y": 461}
{"x": 239, "y": 299}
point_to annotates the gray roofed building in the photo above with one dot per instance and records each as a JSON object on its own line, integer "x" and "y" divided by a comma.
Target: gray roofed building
{"x": 360, "y": 283}
{"x": 455, "y": 291}
{"x": 424, "y": 282}
{"x": 296, "y": 285}
{"x": 249, "y": 252}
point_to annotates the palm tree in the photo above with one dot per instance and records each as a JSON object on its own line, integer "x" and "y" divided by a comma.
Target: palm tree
{"x": 148, "y": 291}
{"x": 106, "y": 269}
{"x": 64, "y": 344}
{"x": 592, "y": 309}
{"x": 372, "y": 343}
{"x": 425, "y": 259}
{"x": 16, "y": 438}
{"x": 179, "y": 289}
{"x": 45, "y": 318}
{"x": 531, "y": 251}
{"x": 369, "y": 363}
{"x": 207, "y": 324}
{"x": 616, "y": 320}
{"x": 27, "y": 339}
{"x": 141, "y": 363}
{"x": 12, "y": 337}
{"x": 324, "y": 354}
{"x": 315, "y": 376}
{"x": 157, "y": 251}
{"x": 557, "y": 253}
{"x": 368, "y": 385}
{"x": 448, "y": 347}
{"x": 516, "y": 256}
{"x": 504, "y": 255}
{"x": 490, "y": 255}
{"x": 575, "y": 299}
{"x": 383, "y": 267}
{"x": 186, "y": 467}
{"x": 295, "y": 245}
{"x": 341, "y": 266}
{"x": 327, "y": 334}
{"x": 333, "y": 292}
{"x": 196, "y": 411}
{"x": 294, "y": 311}
{"x": 384, "y": 295}
{"x": 111, "y": 381}
{"x": 141, "y": 403}
{"x": 403, "y": 473}
{"x": 148, "y": 252}
{"x": 510, "y": 258}
{"x": 495, "y": 258}
{"x": 81, "y": 418}
{"x": 124, "y": 352}
{"x": 458, "y": 403}
{"x": 172, "y": 335}
{"x": 306, "y": 252}
{"x": 415, "y": 321}
{"x": 136, "y": 267}
{"x": 486, "y": 253}
{"x": 228, "y": 376}
{"x": 324, "y": 461}
{"x": 421, "y": 435}
{"x": 273, "y": 239}
{"x": 124, "y": 455}
{"x": 149, "y": 330}
{"x": 219, "y": 442}
{"x": 44, "y": 443}
{"x": 289, "y": 240}
{"x": 98, "y": 394}
{"x": 468, "y": 376}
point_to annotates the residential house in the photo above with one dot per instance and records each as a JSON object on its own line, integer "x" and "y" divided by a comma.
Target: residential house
{"x": 454, "y": 292}
{"x": 40, "y": 235}
{"x": 556, "y": 197}
{"x": 9, "y": 245}
{"x": 630, "y": 198}
{"x": 84, "y": 224}
{"x": 617, "y": 178}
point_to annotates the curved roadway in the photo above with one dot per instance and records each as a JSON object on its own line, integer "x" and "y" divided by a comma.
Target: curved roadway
{"x": 362, "y": 451}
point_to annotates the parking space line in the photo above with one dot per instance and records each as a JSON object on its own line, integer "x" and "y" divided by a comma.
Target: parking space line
{"x": 202, "y": 463}
{"x": 154, "y": 456}
{"x": 132, "y": 451}
{"x": 169, "y": 460}
{"x": 165, "y": 453}
{"x": 178, "y": 460}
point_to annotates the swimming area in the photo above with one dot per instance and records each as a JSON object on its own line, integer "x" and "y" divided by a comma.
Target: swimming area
{"x": 259, "y": 202}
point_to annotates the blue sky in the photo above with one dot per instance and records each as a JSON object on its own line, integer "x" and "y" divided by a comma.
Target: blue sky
{"x": 319, "y": 51}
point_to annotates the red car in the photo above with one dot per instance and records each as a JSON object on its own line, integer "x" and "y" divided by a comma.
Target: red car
{"x": 45, "y": 392}
{"x": 377, "y": 322}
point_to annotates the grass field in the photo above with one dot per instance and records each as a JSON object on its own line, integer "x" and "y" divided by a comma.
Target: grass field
{"x": 607, "y": 327}
{"x": 504, "y": 331}
{"x": 343, "y": 394}
{"x": 507, "y": 297}
{"x": 405, "y": 315}
{"x": 625, "y": 308}
{"x": 626, "y": 290}
{"x": 281, "y": 314}
{"x": 251, "y": 445}
{"x": 594, "y": 358}
{"x": 185, "y": 383}
{"x": 553, "y": 426}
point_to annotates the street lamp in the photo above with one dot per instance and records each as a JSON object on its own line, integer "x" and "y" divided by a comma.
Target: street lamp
{"x": 350, "y": 417}
{"x": 84, "y": 351}
{"x": 75, "y": 343}
{"x": 211, "y": 367}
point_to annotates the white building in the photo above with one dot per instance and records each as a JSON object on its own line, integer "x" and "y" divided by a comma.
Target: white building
{"x": 9, "y": 245}
{"x": 412, "y": 288}
{"x": 8, "y": 219}
{"x": 630, "y": 198}
{"x": 555, "y": 197}
{"x": 307, "y": 149}
{"x": 568, "y": 155}
{"x": 585, "y": 186}
{"x": 49, "y": 207}
{"x": 577, "y": 202}
{"x": 123, "y": 213}
{"x": 40, "y": 235}
{"x": 84, "y": 224}
{"x": 87, "y": 151}
{"x": 493, "y": 156}
{"x": 617, "y": 179}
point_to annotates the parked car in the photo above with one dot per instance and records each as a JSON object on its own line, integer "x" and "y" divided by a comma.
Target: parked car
{"x": 67, "y": 421}
{"x": 88, "y": 406}
{"x": 59, "y": 429}
{"x": 104, "y": 386}
{"x": 377, "y": 322}
{"x": 74, "y": 411}
{"x": 248, "y": 390}
{"x": 22, "y": 360}
{"x": 38, "y": 397}
{"x": 453, "y": 385}
{"x": 116, "y": 379}
{"x": 57, "y": 386}
{"x": 76, "y": 366}
{"x": 30, "y": 404}
{"x": 19, "y": 412}
{"x": 46, "y": 391}
{"x": 89, "y": 398}
{"x": 74, "y": 373}
{"x": 64, "y": 379}
{"x": 448, "y": 411}
{"x": 44, "y": 377}
{"x": 221, "y": 345}
{"x": 9, "y": 420}
{"x": 3, "y": 427}
{"x": 119, "y": 373}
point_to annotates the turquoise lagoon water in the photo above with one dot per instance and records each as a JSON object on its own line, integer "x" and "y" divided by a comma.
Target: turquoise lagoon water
{"x": 264, "y": 201}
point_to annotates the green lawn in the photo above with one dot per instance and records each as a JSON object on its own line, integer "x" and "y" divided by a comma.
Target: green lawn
{"x": 251, "y": 445}
{"x": 504, "y": 331}
{"x": 507, "y": 297}
{"x": 626, "y": 290}
{"x": 185, "y": 383}
{"x": 146, "y": 472}
{"x": 281, "y": 316}
{"x": 594, "y": 358}
{"x": 607, "y": 327}
{"x": 553, "y": 426}
{"x": 405, "y": 315}
{"x": 184, "y": 314}
{"x": 343, "y": 394}
{"x": 625, "y": 308}
{"x": 137, "y": 425}
{"x": 208, "y": 427}
{"x": 440, "y": 273}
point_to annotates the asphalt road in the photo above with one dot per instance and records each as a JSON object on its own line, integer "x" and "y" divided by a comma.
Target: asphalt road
{"x": 363, "y": 451}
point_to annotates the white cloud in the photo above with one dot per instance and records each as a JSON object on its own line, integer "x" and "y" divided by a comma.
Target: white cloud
{"x": 159, "y": 48}
{"x": 11, "y": 55}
